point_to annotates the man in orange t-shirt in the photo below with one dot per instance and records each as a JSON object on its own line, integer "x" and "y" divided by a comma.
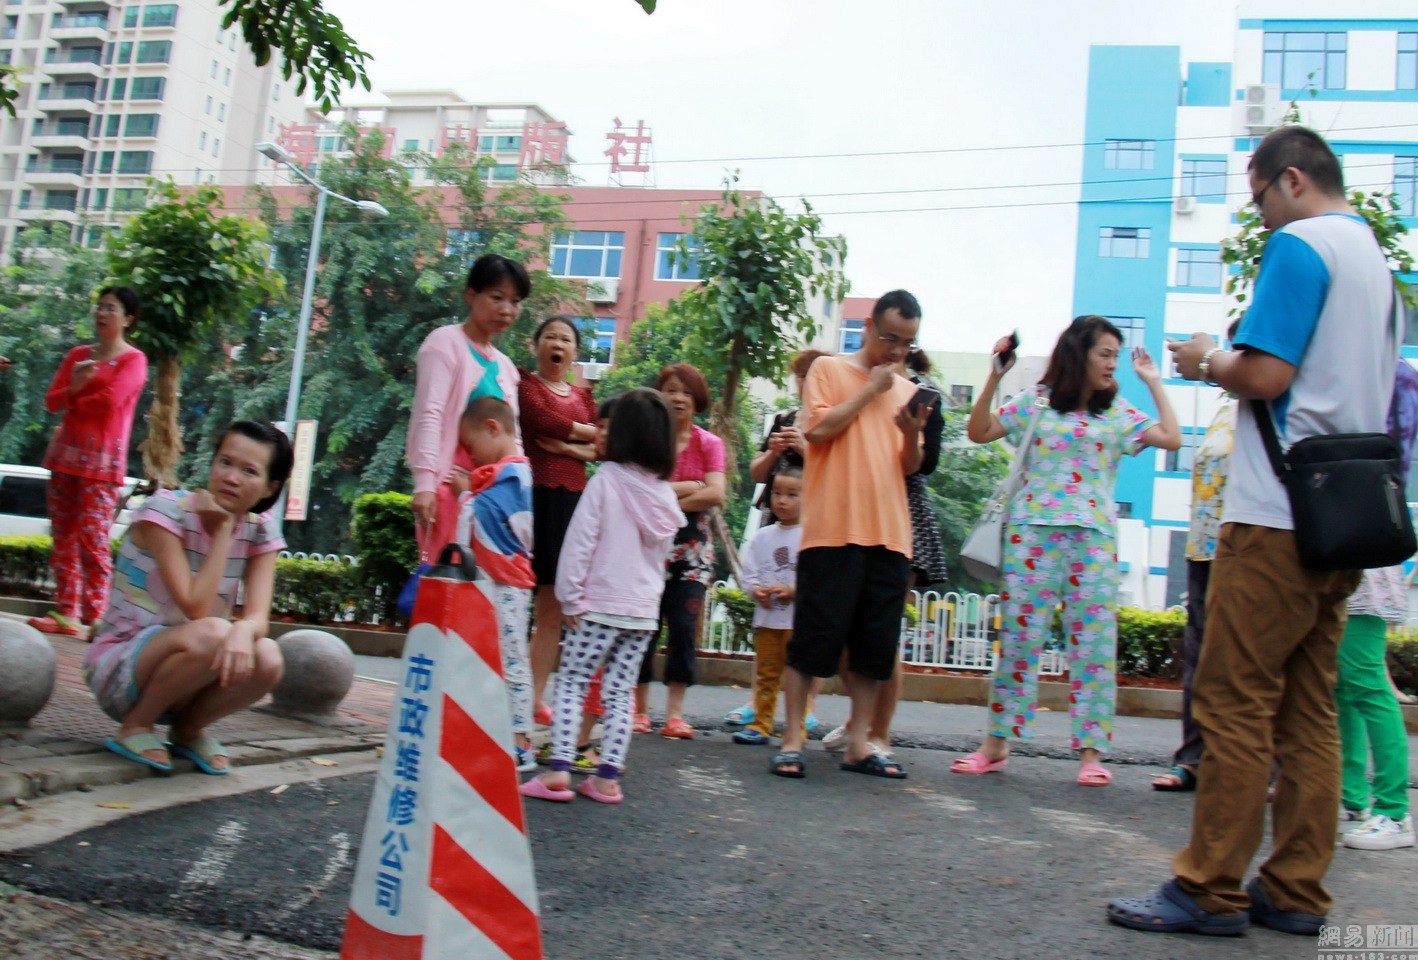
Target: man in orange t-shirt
{"x": 856, "y": 548}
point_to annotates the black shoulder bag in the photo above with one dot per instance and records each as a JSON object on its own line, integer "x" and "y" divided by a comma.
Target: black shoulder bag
{"x": 1346, "y": 497}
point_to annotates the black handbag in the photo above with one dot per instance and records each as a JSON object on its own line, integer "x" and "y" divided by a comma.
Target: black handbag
{"x": 1346, "y": 497}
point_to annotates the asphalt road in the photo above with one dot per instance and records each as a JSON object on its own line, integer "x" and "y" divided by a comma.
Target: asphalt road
{"x": 711, "y": 858}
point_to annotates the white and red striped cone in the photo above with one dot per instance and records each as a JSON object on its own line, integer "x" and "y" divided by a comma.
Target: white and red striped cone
{"x": 445, "y": 870}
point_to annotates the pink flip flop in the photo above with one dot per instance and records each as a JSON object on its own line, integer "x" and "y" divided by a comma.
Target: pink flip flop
{"x": 974, "y": 764}
{"x": 588, "y": 789}
{"x": 537, "y": 790}
{"x": 1094, "y": 774}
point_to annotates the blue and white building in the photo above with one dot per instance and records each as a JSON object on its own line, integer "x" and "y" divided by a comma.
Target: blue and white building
{"x": 1168, "y": 134}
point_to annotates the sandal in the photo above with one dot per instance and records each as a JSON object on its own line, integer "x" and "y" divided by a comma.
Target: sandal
{"x": 739, "y": 716}
{"x": 589, "y": 789}
{"x": 876, "y": 764}
{"x": 57, "y": 625}
{"x": 677, "y": 729}
{"x": 1172, "y": 910}
{"x": 1094, "y": 774}
{"x": 641, "y": 723}
{"x": 202, "y": 752}
{"x": 751, "y": 736}
{"x": 788, "y": 763}
{"x": 1176, "y": 780}
{"x": 974, "y": 764}
{"x": 542, "y": 716}
{"x": 133, "y": 746}
{"x": 537, "y": 790}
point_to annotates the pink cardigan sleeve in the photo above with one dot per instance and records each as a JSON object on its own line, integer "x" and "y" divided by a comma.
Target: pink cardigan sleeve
{"x": 436, "y": 374}
{"x": 56, "y": 398}
{"x": 113, "y": 389}
{"x": 573, "y": 566}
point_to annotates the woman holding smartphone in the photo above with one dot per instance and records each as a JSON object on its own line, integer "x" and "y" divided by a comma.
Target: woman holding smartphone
{"x": 1060, "y": 536}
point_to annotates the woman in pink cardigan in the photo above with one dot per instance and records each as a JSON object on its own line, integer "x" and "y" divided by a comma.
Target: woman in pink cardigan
{"x": 458, "y": 363}
{"x": 96, "y": 389}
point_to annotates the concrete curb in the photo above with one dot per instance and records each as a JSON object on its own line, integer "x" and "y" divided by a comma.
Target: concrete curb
{"x": 47, "y": 775}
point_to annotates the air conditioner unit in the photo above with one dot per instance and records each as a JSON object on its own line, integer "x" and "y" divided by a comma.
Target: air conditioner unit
{"x": 603, "y": 290}
{"x": 594, "y": 371}
{"x": 1261, "y": 107}
{"x": 1184, "y": 205}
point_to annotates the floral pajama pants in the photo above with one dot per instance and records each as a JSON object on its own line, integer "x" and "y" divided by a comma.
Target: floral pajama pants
{"x": 80, "y": 516}
{"x": 1043, "y": 567}
{"x": 513, "y": 606}
{"x": 583, "y": 651}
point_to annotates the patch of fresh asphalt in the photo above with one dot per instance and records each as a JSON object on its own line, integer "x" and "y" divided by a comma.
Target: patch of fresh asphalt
{"x": 711, "y": 858}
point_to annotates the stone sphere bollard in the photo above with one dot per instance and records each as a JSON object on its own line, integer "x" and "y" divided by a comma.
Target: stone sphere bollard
{"x": 319, "y": 671}
{"x": 27, "y": 664}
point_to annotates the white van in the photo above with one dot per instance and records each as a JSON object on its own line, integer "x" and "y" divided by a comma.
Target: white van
{"x": 24, "y": 505}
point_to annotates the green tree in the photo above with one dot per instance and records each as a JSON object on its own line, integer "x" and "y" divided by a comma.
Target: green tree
{"x": 46, "y": 303}
{"x": 193, "y": 269}
{"x": 964, "y": 479}
{"x": 760, "y": 266}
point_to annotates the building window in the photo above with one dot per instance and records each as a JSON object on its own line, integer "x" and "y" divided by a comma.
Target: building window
{"x": 485, "y": 144}
{"x": 1127, "y": 242}
{"x": 1134, "y": 330}
{"x": 147, "y": 88}
{"x": 961, "y": 395}
{"x": 1405, "y": 185}
{"x": 141, "y": 125}
{"x": 135, "y": 161}
{"x": 160, "y": 15}
{"x": 508, "y": 144}
{"x": 125, "y": 52}
{"x": 208, "y": 108}
{"x": 105, "y": 162}
{"x": 129, "y": 198}
{"x": 110, "y": 125}
{"x": 230, "y": 45}
{"x": 464, "y": 244}
{"x": 1204, "y": 179}
{"x": 667, "y": 262}
{"x": 597, "y": 339}
{"x": 1299, "y": 60}
{"x": 221, "y": 113}
{"x": 226, "y": 77}
{"x": 411, "y": 146}
{"x": 503, "y": 172}
{"x": 214, "y": 69}
{"x": 202, "y": 140}
{"x": 1199, "y": 268}
{"x": 1180, "y": 460}
{"x": 98, "y": 199}
{"x": 1407, "y": 74}
{"x": 275, "y": 91}
{"x": 587, "y": 253}
{"x": 154, "y": 51}
{"x": 1129, "y": 154}
{"x": 130, "y": 16}
{"x": 850, "y": 339}
{"x": 216, "y": 146}
{"x": 1124, "y": 509}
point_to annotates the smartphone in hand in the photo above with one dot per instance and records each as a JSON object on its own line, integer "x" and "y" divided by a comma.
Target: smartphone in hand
{"x": 1002, "y": 360}
{"x": 928, "y": 396}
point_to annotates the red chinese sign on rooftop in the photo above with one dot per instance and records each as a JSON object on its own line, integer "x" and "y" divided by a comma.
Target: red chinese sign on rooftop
{"x": 629, "y": 152}
{"x": 543, "y": 143}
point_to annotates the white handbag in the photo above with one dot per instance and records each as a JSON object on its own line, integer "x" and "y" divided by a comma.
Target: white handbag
{"x": 982, "y": 553}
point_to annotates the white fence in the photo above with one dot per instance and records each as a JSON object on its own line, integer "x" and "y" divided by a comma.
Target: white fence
{"x": 953, "y": 631}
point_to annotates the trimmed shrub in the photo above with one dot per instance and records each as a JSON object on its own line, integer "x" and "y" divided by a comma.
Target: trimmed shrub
{"x": 24, "y": 565}
{"x": 1403, "y": 658}
{"x": 1149, "y": 642}
{"x": 320, "y": 591}
{"x": 739, "y": 607}
{"x": 384, "y": 540}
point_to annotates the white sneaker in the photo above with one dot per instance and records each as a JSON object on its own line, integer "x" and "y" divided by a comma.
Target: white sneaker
{"x": 1351, "y": 820}
{"x": 1381, "y": 833}
{"x": 836, "y": 740}
{"x": 526, "y": 759}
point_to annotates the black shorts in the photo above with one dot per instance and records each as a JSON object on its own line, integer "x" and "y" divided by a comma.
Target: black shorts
{"x": 552, "y": 508}
{"x": 848, "y": 598}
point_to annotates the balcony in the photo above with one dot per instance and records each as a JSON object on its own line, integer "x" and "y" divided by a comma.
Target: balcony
{"x": 65, "y": 211}
{"x": 62, "y": 63}
{"x": 59, "y": 172}
{"x": 69, "y": 97}
{"x": 61, "y": 135}
{"x": 84, "y": 26}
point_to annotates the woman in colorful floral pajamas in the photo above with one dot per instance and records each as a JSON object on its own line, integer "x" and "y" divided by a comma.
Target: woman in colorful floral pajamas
{"x": 1060, "y": 539}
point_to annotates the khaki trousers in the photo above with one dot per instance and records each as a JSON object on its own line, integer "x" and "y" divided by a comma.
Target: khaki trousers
{"x": 1264, "y": 691}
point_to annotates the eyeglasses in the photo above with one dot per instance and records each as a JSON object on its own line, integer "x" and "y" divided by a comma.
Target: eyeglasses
{"x": 892, "y": 340}
{"x": 1258, "y": 198}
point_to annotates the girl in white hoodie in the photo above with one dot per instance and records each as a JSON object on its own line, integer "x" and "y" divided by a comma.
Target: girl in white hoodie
{"x": 609, "y": 580}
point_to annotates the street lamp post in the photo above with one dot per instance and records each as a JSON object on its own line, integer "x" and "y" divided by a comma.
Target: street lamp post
{"x": 276, "y": 153}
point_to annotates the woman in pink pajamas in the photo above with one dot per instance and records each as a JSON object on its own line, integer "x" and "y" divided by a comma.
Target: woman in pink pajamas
{"x": 96, "y": 388}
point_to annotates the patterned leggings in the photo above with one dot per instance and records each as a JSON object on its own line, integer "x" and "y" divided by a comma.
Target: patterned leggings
{"x": 583, "y": 650}
{"x": 513, "y": 606}
{"x": 1043, "y": 566}
{"x": 80, "y": 516}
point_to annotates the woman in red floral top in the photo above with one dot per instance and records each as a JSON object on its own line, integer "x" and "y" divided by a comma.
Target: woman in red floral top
{"x": 96, "y": 388}
{"x": 698, "y": 482}
{"x": 558, "y": 434}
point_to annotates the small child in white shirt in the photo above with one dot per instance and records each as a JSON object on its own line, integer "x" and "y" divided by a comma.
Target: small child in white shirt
{"x": 770, "y": 575}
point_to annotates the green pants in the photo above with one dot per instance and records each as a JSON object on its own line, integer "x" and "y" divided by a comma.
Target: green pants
{"x": 1370, "y": 721}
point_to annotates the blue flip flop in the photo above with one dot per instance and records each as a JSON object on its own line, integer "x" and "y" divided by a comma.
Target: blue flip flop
{"x": 740, "y": 715}
{"x": 201, "y": 751}
{"x": 750, "y": 736}
{"x": 1172, "y": 910}
{"x": 132, "y": 747}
